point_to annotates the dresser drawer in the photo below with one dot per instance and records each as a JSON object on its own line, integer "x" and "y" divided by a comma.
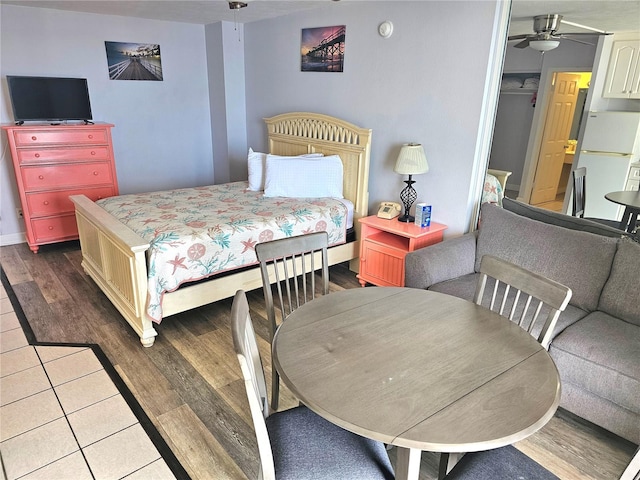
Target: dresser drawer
{"x": 51, "y": 229}
{"x": 46, "y": 178}
{"x": 52, "y": 203}
{"x": 57, "y": 155}
{"x": 77, "y": 135}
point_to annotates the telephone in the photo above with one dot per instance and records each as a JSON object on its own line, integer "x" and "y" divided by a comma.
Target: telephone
{"x": 389, "y": 210}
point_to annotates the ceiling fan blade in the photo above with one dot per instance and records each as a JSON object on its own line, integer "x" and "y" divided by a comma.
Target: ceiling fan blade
{"x": 518, "y": 37}
{"x": 582, "y": 34}
{"x": 523, "y": 44}
{"x": 573, "y": 39}
{"x": 586, "y": 27}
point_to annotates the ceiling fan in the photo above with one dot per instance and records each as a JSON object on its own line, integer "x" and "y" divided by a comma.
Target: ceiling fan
{"x": 547, "y": 37}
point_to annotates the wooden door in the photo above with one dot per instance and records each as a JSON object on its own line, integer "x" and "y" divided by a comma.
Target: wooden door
{"x": 554, "y": 138}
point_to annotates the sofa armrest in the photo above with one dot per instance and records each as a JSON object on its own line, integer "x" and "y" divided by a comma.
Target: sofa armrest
{"x": 441, "y": 262}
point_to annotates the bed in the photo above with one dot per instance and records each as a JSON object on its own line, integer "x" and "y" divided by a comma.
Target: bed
{"x": 117, "y": 258}
{"x": 494, "y": 186}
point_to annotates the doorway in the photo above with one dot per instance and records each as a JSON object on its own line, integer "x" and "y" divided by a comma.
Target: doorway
{"x": 563, "y": 113}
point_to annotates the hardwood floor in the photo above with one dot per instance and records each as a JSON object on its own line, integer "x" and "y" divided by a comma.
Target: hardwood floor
{"x": 189, "y": 382}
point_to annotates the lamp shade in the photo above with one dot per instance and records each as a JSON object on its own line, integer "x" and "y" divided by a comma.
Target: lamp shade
{"x": 544, "y": 45}
{"x": 411, "y": 160}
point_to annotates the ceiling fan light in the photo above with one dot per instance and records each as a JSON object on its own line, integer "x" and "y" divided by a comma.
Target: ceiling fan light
{"x": 544, "y": 45}
{"x": 237, "y": 5}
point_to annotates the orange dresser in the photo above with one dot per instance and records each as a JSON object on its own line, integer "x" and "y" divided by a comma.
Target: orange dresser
{"x": 52, "y": 162}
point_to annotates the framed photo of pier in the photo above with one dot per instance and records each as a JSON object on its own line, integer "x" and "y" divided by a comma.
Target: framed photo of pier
{"x": 134, "y": 61}
{"x": 322, "y": 49}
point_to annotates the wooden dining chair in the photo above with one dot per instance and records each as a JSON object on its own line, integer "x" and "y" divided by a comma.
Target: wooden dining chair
{"x": 290, "y": 263}
{"x": 522, "y": 296}
{"x": 580, "y": 199}
{"x": 298, "y": 444}
{"x": 502, "y": 463}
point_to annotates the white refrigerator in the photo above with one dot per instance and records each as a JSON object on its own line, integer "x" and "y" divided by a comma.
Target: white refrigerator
{"x": 611, "y": 142}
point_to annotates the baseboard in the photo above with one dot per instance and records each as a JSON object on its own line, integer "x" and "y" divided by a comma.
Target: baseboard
{"x": 12, "y": 239}
{"x": 513, "y": 186}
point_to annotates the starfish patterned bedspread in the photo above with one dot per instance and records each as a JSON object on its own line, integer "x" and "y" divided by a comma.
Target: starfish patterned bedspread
{"x": 492, "y": 191}
{"x": 197, "y": 232}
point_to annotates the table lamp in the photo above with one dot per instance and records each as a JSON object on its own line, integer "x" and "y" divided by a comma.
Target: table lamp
{"x": 411, "y": 161}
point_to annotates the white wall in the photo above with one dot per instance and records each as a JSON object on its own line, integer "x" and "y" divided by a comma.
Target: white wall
{"x": 423, "y": 84}
{"x": 162, "y": 134}
{"x": 225, "y": 60}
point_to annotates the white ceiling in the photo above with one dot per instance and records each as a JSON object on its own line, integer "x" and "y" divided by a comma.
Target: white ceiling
{"x": 610, "y": 15}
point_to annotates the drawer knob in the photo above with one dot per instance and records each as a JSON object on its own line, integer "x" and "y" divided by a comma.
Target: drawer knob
{"x": 37, "y": 155}
{"x": 46, "y": 202}
{"x": 41, "y": 177}
{"x": 95, "y": 173}
{"x": 90, "y": 136}
{"x": 50, "y": 227}
{"x": 92, "y": 152}
{"x": 34, "y": 138}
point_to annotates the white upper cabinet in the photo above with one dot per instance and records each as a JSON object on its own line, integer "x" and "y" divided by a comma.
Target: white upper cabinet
{"x": 623, "y": 73}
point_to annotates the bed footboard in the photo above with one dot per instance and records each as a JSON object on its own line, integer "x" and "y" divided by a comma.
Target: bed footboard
{"x": 114, "y": 257}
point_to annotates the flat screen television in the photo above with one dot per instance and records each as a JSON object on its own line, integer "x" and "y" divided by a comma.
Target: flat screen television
{"x": 49, "y": 99}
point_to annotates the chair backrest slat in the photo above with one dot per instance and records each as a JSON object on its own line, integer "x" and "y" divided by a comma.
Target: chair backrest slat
{"x": 510, "y": 281}
{"x": 579, "y": 191}
{"x": 291, "y": 263}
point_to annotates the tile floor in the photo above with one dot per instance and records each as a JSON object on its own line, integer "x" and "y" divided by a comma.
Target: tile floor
{"x": 61, "y": 415}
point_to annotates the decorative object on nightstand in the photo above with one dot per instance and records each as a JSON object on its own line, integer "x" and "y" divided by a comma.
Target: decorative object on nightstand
{"x": 411, "y": 161}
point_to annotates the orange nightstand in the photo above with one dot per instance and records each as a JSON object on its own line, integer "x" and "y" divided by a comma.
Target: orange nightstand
{"x": 384, "y": 245}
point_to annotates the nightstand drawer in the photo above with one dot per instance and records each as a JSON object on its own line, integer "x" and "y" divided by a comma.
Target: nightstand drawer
{"x": 41, "y": 178}
{"x": 51, "y": 229}
{"x": 382, "y": 265}
{"x": 63, "y": 135}
{"x": 51, "y": 203}
{"x": 31, "y": 156}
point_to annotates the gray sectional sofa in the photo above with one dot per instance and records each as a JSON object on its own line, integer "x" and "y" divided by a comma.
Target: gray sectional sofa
{"x": 596, "y": 344}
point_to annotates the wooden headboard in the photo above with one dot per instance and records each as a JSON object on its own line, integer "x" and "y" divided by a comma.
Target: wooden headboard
{"x": 297, "y": 133}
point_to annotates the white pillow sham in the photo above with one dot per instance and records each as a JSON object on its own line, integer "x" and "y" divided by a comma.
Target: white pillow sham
{"x": 256, "y": 166}
{"x": 303, "y": 177}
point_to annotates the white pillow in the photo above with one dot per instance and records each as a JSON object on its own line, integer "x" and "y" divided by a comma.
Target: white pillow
{"x": 256, "y": 165}
{"x": 303, "y": 177}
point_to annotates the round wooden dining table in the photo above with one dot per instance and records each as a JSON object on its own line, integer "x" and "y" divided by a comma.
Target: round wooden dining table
{"x": 417, "y": 369}
{"x": 631, "y": 202}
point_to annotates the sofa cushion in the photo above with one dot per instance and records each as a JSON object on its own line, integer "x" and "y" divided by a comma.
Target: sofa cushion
{"x": 465, "y": 287}
{"x": 462, "y": 287}
{"x": 579, "y": 260}
{"x": 601, "y": 354}
{"x": 560, "y": 219}
{"x": 600, "y": 411}
{"x": 621, "y": 294}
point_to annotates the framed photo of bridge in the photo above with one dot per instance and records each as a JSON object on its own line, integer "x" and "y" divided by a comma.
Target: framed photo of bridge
{"x": 322, "y": 49}
{"x": 134, "y": 61}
